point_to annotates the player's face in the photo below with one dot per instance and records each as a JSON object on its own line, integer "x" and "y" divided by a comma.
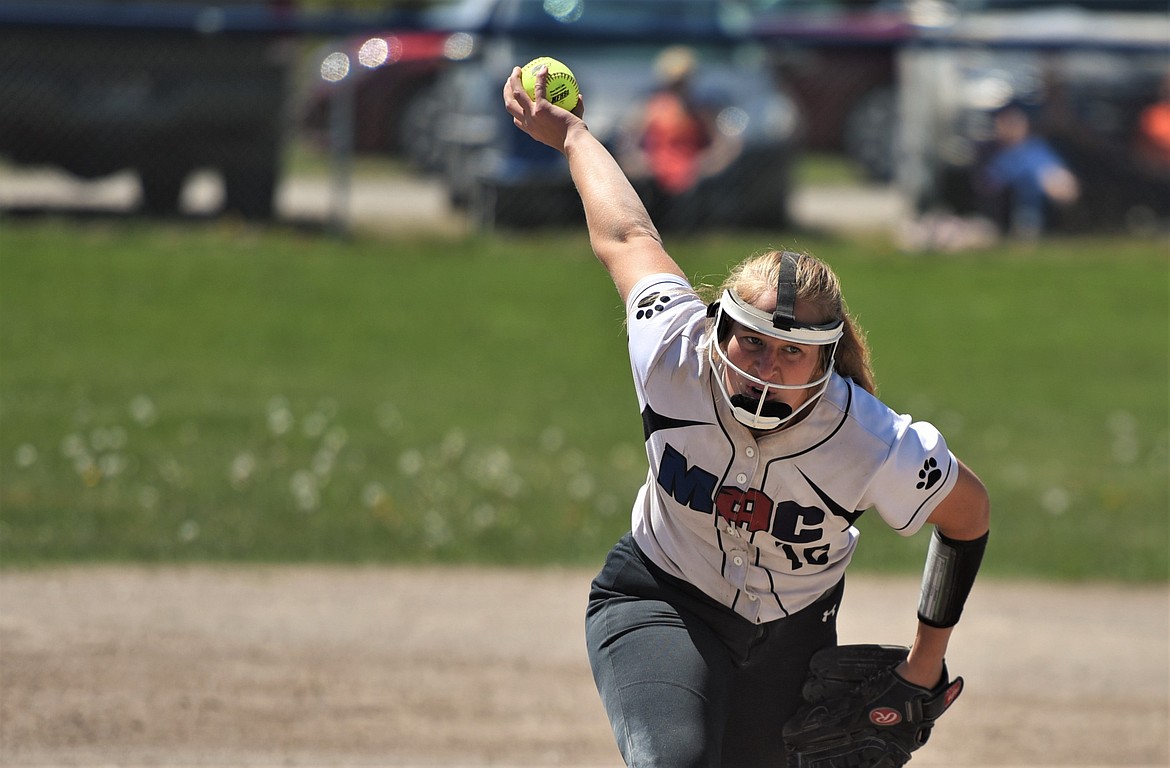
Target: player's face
{"x": 772, "y": 360}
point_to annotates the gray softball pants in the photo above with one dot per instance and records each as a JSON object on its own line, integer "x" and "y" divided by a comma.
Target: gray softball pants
{"x": 688, "y": 683}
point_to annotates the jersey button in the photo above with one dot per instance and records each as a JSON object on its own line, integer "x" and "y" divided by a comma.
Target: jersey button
{"x": 753, "y": 598}
{"x": 737, "y": 560}
{"x": 741, "y": 478}
{"x": 750, "y": 452}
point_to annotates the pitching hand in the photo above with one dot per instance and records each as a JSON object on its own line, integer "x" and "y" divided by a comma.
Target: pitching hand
{"x": 537, "y": 116}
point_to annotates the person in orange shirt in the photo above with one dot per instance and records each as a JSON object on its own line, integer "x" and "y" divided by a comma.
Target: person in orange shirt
{"x": 1154, "y": 129}
{"x": 672, "y": 143}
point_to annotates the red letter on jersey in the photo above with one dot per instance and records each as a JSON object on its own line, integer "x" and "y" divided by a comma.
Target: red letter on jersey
{"x": 749, "y": 508}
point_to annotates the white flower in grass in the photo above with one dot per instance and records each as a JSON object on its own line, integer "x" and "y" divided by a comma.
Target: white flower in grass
{"x": 374, "y": 495}
{"x": 510, "y": 486}
{"x": 73, "y": 445}
{"x": 280, "y": 416}
{"x": 315, "y": 424}
{"x": 112, "y": 464}
{"x": 1122, "y": 423}
{"x": 84, "y": 465}
{"x": 483, "y": 516}
{"x": 99, "y": 439}
{"x": 26, "y": 455}
{"x": 1056, "y": 501}
{"x": 410, "y": 462}
{"x": 305, "y": 491}
{"x": 572, "y": 462}
{"x": 143, "y": 411}
{"x": 496, "y": 464}
{"x": 148, "y": 497}
{"x": 1126, "y": 449}
{"x": 188, "y": 531}
{"x": 242, "y": 469}
{"x": 453, "y": 445}
{"x": 335, "y": 439}
{"x": 436, "y": 529}
{"x": 581, "y": 486}
{"x": 323, "y": 462}
{"x": 1126, "y": 446}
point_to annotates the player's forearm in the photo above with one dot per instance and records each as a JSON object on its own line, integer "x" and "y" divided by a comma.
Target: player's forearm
{"x": 613, "y": 211}
{"x": 621, "y": 232}
{"x": 952, "y": 562}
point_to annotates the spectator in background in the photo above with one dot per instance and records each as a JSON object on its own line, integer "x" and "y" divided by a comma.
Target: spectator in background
{"x": 673, "y": 143}
{"x": 1154, "y": 129}
{"x": 1023, "y": 180}
{"x": 1151, "y": 165}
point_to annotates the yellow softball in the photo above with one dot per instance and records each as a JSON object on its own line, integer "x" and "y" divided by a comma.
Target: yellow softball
{"x": 560, "y": 87}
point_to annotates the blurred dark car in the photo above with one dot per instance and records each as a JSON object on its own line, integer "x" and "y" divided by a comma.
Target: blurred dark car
{"x": 1084, "y": 76}
{"x": 99, "y": 86}
{"x": 506, "y": 178}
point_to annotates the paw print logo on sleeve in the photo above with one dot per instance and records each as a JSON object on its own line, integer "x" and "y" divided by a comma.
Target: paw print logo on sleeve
{"x": 654, "y": 302}
{"x": 929, "y": 475}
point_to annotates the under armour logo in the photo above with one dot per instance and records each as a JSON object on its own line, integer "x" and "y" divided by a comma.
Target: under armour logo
{"x": 831, "y": 612}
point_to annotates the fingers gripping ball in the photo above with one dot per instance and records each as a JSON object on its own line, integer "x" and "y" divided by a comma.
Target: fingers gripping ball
{"x": 560, "y": 87}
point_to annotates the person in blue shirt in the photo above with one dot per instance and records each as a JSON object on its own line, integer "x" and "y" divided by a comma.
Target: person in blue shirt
{"x": 1024, "y": 179}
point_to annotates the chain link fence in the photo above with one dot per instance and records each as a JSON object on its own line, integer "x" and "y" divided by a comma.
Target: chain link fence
{"x": 248, "y": 110}
{"x": 197, "y": 111}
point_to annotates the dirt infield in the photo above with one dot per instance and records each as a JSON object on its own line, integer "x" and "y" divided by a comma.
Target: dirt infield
{"x": 324, "y": 666}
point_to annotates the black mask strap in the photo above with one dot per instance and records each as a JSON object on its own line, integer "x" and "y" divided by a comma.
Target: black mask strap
{"x": 785, "y": 315}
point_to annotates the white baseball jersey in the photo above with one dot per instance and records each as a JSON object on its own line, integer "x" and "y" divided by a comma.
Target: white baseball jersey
{"x": 763, "y": 525}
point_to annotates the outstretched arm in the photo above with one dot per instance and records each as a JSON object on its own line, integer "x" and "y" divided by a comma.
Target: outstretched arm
{"x": 621, "y": 233}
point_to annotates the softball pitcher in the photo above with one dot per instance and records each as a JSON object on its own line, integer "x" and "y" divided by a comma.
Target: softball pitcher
{"x": 711, "y": 627}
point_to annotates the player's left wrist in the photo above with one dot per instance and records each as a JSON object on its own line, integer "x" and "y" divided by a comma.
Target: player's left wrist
{"x": 923, "y": 674}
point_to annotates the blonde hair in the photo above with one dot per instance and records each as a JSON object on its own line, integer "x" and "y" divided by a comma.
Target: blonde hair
{"x": 818, "y": 286}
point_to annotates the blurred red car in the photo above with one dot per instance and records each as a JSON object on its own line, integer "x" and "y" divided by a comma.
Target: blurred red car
{"x": 391, "y": 75}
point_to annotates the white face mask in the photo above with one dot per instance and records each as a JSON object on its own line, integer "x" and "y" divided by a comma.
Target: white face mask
{"x": 761, "y": 413}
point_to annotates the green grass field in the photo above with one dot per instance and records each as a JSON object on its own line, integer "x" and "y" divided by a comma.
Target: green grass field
{"x": 213, "y": 392}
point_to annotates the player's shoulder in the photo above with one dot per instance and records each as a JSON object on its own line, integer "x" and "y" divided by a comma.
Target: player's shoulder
{"x": 664, "y": 305}
{"x": 660, "y": 289}
{"x": 869, "y": 414}
{"x": 664, "y": 312}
